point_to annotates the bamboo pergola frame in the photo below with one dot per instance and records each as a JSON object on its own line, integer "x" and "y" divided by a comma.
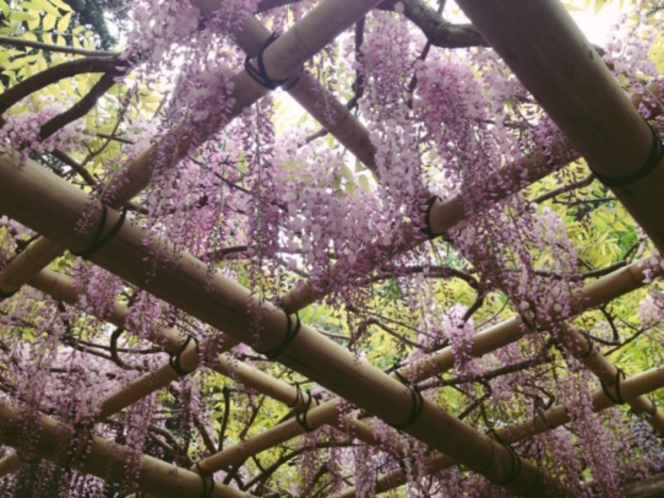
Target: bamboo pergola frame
{"x": 586, "y": 103}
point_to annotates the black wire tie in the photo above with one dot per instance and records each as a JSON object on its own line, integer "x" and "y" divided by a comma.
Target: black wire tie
{"x": 515, "y": 468}
{"x": 298, "y": 396}
{"x": 301, "y": 417}
{"x": 208, "y": 481}
{"x": 294, "y": 81}
{"x": 260, "y": 75}
{"x": 291, "y": 333}
{"x": 654, "y": 158}
{"x": 174, "y": 359}
{"x": 617, "y": 399}
{"x": 418, "y": 403}
{"x": 98, "y": 241}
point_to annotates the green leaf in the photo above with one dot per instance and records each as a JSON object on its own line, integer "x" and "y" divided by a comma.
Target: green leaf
{"x": 350, "y": 188}
{"x": 364, "y": 183}
{"x": 63, "y": 23}
{"x": 346, "y": 172}
{"x": 18, "y": 15}
{"x": 49, "y": 22}
{"x": 34, "y": 24}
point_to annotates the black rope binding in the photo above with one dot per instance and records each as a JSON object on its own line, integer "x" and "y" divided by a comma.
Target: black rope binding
{"x": 260, "y": 75}
{"x": 537, "y": 489}
{"x": 515, "y": 468}
{"x": 301, "y": 416}
{"x": 208, "y": 481}
{"x": 98, "y": 241}
{"x": 417, "y": 399}
{"x": 174, "y": 359}
{"x": 491, "y": 460}
{"x": 426, "y": 229}
{"x": 618, "y": 400}
{"x": 291, "y": 333}
{"x": 298, "y": 396}
{"x": 654, "y": 158}
{"x": 294, "y": 81}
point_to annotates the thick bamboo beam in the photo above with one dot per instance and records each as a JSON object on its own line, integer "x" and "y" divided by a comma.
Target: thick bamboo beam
{"x": 320, "y": 103}
{"x": 283, "y": 58}
{"x": 51, "y": 440}
{"x": 541, "y": 43}
{"x": 598, "y": 292}
{"x": 50, "y": 206}
{"x": 636, "y": 386}
{"x": 61, "y": 288}
{"x": 444, "y": 215}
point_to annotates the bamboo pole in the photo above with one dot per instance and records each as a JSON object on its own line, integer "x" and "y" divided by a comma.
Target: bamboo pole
{"x": 51, "y": 439}
{"x": 60, "y": 287}
{"x": 319, "y": 102}
{"x": 541, "y": 43}
{"x": 634, "y": 387}
{"x": 284, "y": 431}
{"x": 50, "y": 206}
{"x": 444, "y": 215}
{"x": 283, "y": 58}
{"x": 598, "y": 292}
